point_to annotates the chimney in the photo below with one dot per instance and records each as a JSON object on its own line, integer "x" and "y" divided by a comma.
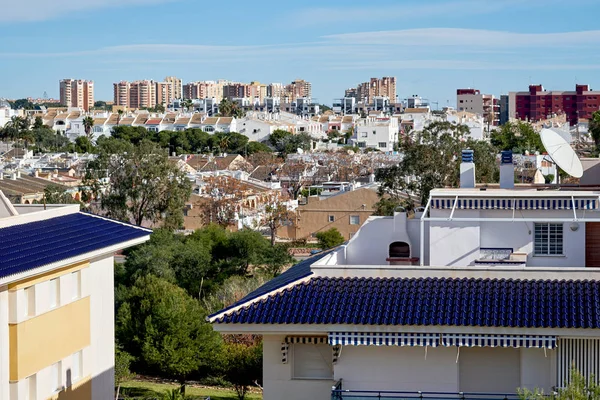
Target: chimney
{"x": 13, "y": 176}
{"x": 467, "y": 170}
{"x": 507, "y": 170}
{"x": 1, "y": 175}
{"x": 18, "y": 174}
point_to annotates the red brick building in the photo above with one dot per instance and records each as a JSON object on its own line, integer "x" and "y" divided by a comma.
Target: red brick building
{"x": 538, "y": 104}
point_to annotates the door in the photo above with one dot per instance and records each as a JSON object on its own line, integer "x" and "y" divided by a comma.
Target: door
{"x": 592, "y": 244}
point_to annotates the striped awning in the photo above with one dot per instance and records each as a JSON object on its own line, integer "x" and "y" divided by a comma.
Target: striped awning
{"x": 518, "y": 204}
{"x": 306, "y": 339}
{"x": 383, "y": 339}
{"x": 472, "y": 340}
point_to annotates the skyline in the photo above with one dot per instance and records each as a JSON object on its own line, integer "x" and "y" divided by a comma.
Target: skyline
{"x": 432, "y": 48}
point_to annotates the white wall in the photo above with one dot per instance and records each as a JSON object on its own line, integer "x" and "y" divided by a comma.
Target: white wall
{"x": 4, "y": 345}
{"x": 101, "y": 287}
{"x": 457, "y": 243}
{"x": 398, "y": 368}
{"x": 537, "y": 369}
{"x": 489, "y": 370}
{"x": 454, "y": 243}
{"x": 371, "y": 245}
{"x": 277, "y": 377}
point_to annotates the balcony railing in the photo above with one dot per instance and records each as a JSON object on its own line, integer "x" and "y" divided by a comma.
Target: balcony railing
{"x": 339, "y": 394}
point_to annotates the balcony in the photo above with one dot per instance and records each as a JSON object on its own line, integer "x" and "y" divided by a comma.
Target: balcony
{"x": 339, "y": 394}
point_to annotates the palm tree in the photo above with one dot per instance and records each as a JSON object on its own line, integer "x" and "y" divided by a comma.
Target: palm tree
{"x": 224, "y": 143}
{"x": 187, "y": 104}
{"x": 119, "y": 115}
{"x": 88, "y": 124}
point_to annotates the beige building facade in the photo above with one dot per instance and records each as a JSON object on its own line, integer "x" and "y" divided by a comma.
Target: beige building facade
{"x": 77, "y": 93}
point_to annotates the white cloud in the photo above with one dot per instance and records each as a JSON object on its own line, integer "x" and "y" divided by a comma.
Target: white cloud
{"x": 468, "y": 37}
{"x": 418, "y": 10}
{"x": 40, "y": 10}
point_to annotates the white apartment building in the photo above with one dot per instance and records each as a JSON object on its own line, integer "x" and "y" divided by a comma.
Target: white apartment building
{"x": 478, "y": 294}
{"x": 473, "y": 101}
{"x": 57, "y": 301}
{"x": 376, "y": 132}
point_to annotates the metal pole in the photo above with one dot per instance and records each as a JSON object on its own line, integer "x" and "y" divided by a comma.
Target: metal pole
{"x": 422, "y": 244}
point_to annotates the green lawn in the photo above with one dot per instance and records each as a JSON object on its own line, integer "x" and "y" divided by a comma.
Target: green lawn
{"x": 152, "y": 389}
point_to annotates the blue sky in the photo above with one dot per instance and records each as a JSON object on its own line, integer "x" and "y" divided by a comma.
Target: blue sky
{"x": 431, "y": 46}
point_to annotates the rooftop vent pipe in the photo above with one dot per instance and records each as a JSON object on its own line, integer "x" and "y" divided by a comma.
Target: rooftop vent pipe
{"x": 467, "y": 170}
{"x": 507, "y": 170}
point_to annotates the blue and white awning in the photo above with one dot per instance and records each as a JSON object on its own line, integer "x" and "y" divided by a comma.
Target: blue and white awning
{"x": 518, "y": 204}
{"x": 383, "y": 339}
{"x": 527, "y": 341}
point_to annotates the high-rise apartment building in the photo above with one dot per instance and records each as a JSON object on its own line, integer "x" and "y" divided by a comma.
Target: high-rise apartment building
{"x": 164, "y": 93}
{"x": 141, "y": 94}
{"x": 275, "y": 90}
{"x": 298, "y": 89}
{"x": 538, "y": 104}
{"x": 176, "y": 87}
{"x": 77, "y": 93}
{"x": 473, "y": 101}
{"x": 367, "y": 91}
{"x": 204, "y": 90}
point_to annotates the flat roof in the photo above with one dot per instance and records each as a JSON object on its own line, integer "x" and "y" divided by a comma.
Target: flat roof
{"x": 525, "y": 192}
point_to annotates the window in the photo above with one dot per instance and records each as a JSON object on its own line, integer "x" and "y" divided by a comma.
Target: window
{"x": 548, "y": 239}
{"x": 54, "y": 293}
{"x": 312, "y": 361}
{"x": 29, "y": 301}
{"x": 364, "y": 134}
{"x": 382, "y": 145}
{"x": 354, "y": 220}
{"x": 76, "y": 284}
{"x": 362, "y": 145}
{"x": 331, "y": 218}
{"x": 374, "y": 132}
{"x": 76, "y": 366}
{"x": 55, "y": 377}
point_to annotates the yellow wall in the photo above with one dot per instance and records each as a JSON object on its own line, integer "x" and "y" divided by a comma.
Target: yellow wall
{"x": 55, "y": 273}
{"x": 43, "y": 340}
{"x": 82, "y": 390}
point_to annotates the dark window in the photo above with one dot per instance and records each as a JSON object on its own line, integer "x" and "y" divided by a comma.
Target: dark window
{"x": 399, "y": 250}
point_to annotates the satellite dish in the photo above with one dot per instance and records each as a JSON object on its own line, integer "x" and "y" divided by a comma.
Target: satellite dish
{"x": 561, "y": 153}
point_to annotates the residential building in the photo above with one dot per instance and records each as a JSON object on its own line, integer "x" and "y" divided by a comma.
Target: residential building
{"x": 375, "y": 87}
{"x": 142, "y": 94}
{"x": 344, "y": 106}
{"x": 176, "y": 87}
{"x": 338, "y": 206}
{"x": 478, "y": 294}
{"x": 121, "y": 93}
{"x": 473, "y": 101}
{"x": 204, "y": 90}
{"x": 275, "y": 90}
{"x": 379, "y": 132}
{"x": 164, "y": 93}
{"x": 298, "y": 89}
{"x": 57, "y": 301}
{"x": 77, "y": 93}
{"x": 538, "y": 103}
{"x": 504, "y": 109}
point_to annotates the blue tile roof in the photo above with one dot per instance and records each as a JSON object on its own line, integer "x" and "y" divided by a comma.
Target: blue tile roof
{"x": 295, "y": 273}
{"x": 27, "y": 246}
{"x": 429, "y": 301}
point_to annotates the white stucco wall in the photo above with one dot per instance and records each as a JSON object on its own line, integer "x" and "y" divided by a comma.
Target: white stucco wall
{"x": 370, "y": 246}
{"x": 457, "y": 243}
{"x": 398, "y": 368}
{"x": 4, "y": 345}
{"x": 102, "y": 315}
{"x": 538, "y": 369}
{"x": 277, "y": 377}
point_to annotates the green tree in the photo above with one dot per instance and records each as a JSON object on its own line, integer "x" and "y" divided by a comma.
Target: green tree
{"x": 123, "y": 362}
{"x": 131, "y": 134}
{"x": 257, "y": 147}
{"x": 165, "y": 329}
{"x": 55, "y": 194}
{"x": 88, "y": 125}
{"x": 247, "y": 247}
{"x": 594, "y": 129}
{"x": 329, "y": 238}
{"x": 517, "y": 136}
{"x": 228, "y": 108}
{"x": 144, "y": 186}
{"x": 243, "y": 366}
{"x": 22, "y": 104}
{"x": 278, "y": 137}
{"x": 431, "y": 159}
{"x": 38, "y": 123}
{"x": 84, "y": 145}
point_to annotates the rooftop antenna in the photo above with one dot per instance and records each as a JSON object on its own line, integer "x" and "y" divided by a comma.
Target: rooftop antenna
{"x": 561, "y": 153}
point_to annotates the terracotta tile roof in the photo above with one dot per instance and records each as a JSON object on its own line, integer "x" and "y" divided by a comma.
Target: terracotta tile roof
{"x": 225, "y": 121}
{"x": 416, "y": 111}
{"x": 99, "y": 121}
{"x": 170, "y": 118}
{"x": 126, "y": 121}
{"x": 112, "y": 120}
{"x": 154, "y": 121}
{"x": 62, "y": 116}
{"x": 196, "y": 118}
{"x": 74, "y": 115}
{"x": 141, "y": 119}
{"x": 182, "y": 121}
{"x": 210, "y": 121}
